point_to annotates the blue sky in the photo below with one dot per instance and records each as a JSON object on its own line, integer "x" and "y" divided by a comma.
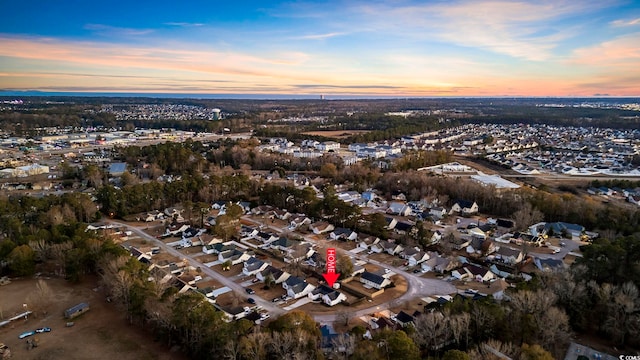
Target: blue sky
{"x": 391, "y": 48}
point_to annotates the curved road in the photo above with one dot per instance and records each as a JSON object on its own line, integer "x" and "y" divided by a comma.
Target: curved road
{"x": 416, "y": 286}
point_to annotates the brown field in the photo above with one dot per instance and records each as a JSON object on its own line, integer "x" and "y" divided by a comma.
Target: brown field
{"x": 101, "y": 333}
{"x": 336, "y": 134}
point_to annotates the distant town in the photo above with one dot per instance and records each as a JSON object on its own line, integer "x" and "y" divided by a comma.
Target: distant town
{"x": 450, "y": 219}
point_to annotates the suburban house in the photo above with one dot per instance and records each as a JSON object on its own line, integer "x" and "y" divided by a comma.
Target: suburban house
{"x": 461, "y": 242}
{"x": 409, "y": 252}
{"x": 438, "y": 264}
{"x": 398, "y": 208}
{"x": 236, "y": 256}
{"x": 464, "y": 207}
{"x": 562, "y": 228}
{"x": 217, "y": 248}
{"x": 403, "y": 227}
{"x": 328, "y": 295}
{"x": 253, "y": 266}
{"x": 477, "y": 273}
{"x": 368, "y": 241}
{"x": 321, "y": 227}
{"x": 266, "y": 237}
{"x": 548, "y": 265}
{"x": 390, "y": 247}
{"x": 282, "y": 214}
{"x": 374, "y": 280}
{"x": 418, "y": 258}
{"x": 509, "y": 255}
{"x": 274, "y": 273}
{"x": 403, "y": 319}
{"x": 298, "y": 221}
{"x": 391, "y": 222}
{"x": 297, "y": 287}
{"x": 343, "y": 234}
{"x": 439, "y": 212}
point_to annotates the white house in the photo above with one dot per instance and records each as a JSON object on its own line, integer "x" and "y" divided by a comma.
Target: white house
{"x": 253, "y": 266}
{"x": 398, "y": 208}
{"x": 374, "y": 280}
{"x": 321, "y": 227}
{"x": 343, "y": 234}
{"x": 464, "y": 207}
{"x": 274, "y": 273}
{"x": 297, "y": 287}
{"x": 328, "y": 295}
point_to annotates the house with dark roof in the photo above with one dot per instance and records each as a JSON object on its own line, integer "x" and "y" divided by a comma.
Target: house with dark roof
{"x": 328, "y": 295}
{"x": 236, "y": 256}
{"x": 297, "y": 287}
{"x": 464, "y": 207}
{"x": 509, "y": 255}
{"x": 343, "y": 234}
{"x": 253, "y": 266}
{"x": 549, "y": 265}
{"x": 403, "y": 319}
{"x": 274, "y": 273}
{"x": 390, "y": 248}
{"x": 374, "y": 280}
{"x": 403, "y": 227}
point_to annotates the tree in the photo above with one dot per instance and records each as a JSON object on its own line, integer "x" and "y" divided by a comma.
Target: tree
{"x": 455, "y": 355}
{"x": 329, "y": 170}
{"x": 344, "y": 266}
{"x": 397, "y": 345}
{"x": 534, "y": 352}
{"x": 22, "y": 261}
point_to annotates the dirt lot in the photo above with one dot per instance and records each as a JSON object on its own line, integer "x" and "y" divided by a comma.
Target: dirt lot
{"x": 101, "y": 333}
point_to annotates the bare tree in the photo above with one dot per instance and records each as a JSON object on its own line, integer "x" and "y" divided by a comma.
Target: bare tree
{"x": 254, "y": 345}
{"x": 41, "y": 298}
{"x": 343, "y": 345}
{"x": 622, "y": 312}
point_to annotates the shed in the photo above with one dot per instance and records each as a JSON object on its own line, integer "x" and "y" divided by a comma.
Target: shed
{"x": 76, "y": 311}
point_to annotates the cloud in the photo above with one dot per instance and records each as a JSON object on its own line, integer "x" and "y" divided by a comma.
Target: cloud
{"x": 106, "y": 30}
{"x": 529, "y": 30}
{"x": 184, "y": 24}
{"x": 625, "y": 23}
{"x": 318, "y": 36}
{"x": 620, "y": 53}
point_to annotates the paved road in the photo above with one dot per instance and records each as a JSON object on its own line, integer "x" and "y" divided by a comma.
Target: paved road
{"x": 267, "y": 305}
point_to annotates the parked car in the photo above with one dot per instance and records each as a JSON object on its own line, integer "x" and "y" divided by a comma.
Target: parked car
{"x": 276, "y": 299}
{"x": 43, "y": 330}
{"x": 250, "y": 291}
{"x": 251, "y": 300}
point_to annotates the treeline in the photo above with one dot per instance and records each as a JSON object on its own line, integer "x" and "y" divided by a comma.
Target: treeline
{"x": 50, "y": 232}
{"x": 141, "y": 197}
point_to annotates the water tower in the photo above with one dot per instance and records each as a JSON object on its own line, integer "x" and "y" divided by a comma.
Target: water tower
{"x": 216, "y": 114}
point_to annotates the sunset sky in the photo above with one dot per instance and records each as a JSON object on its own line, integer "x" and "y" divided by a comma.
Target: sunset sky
{"x": 370, "y": 48}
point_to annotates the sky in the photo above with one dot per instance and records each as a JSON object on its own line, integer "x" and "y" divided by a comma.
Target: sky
{"x": 335, "y": 48}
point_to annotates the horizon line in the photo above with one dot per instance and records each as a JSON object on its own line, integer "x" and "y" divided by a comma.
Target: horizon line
{"x": 267, "y": 96}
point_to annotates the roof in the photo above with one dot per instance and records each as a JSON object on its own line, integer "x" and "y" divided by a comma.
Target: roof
{"x": 374, "y": 278}
{"x": 464, "y": 203}
{"x": 507, "y": 251}
{"x": 117, "y": 168}
{"x": 404, "y": 318}
{"x": 76, "y": 308}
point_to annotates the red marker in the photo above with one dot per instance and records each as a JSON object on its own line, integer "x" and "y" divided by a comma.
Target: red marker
{"x": 330, "y": 276}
